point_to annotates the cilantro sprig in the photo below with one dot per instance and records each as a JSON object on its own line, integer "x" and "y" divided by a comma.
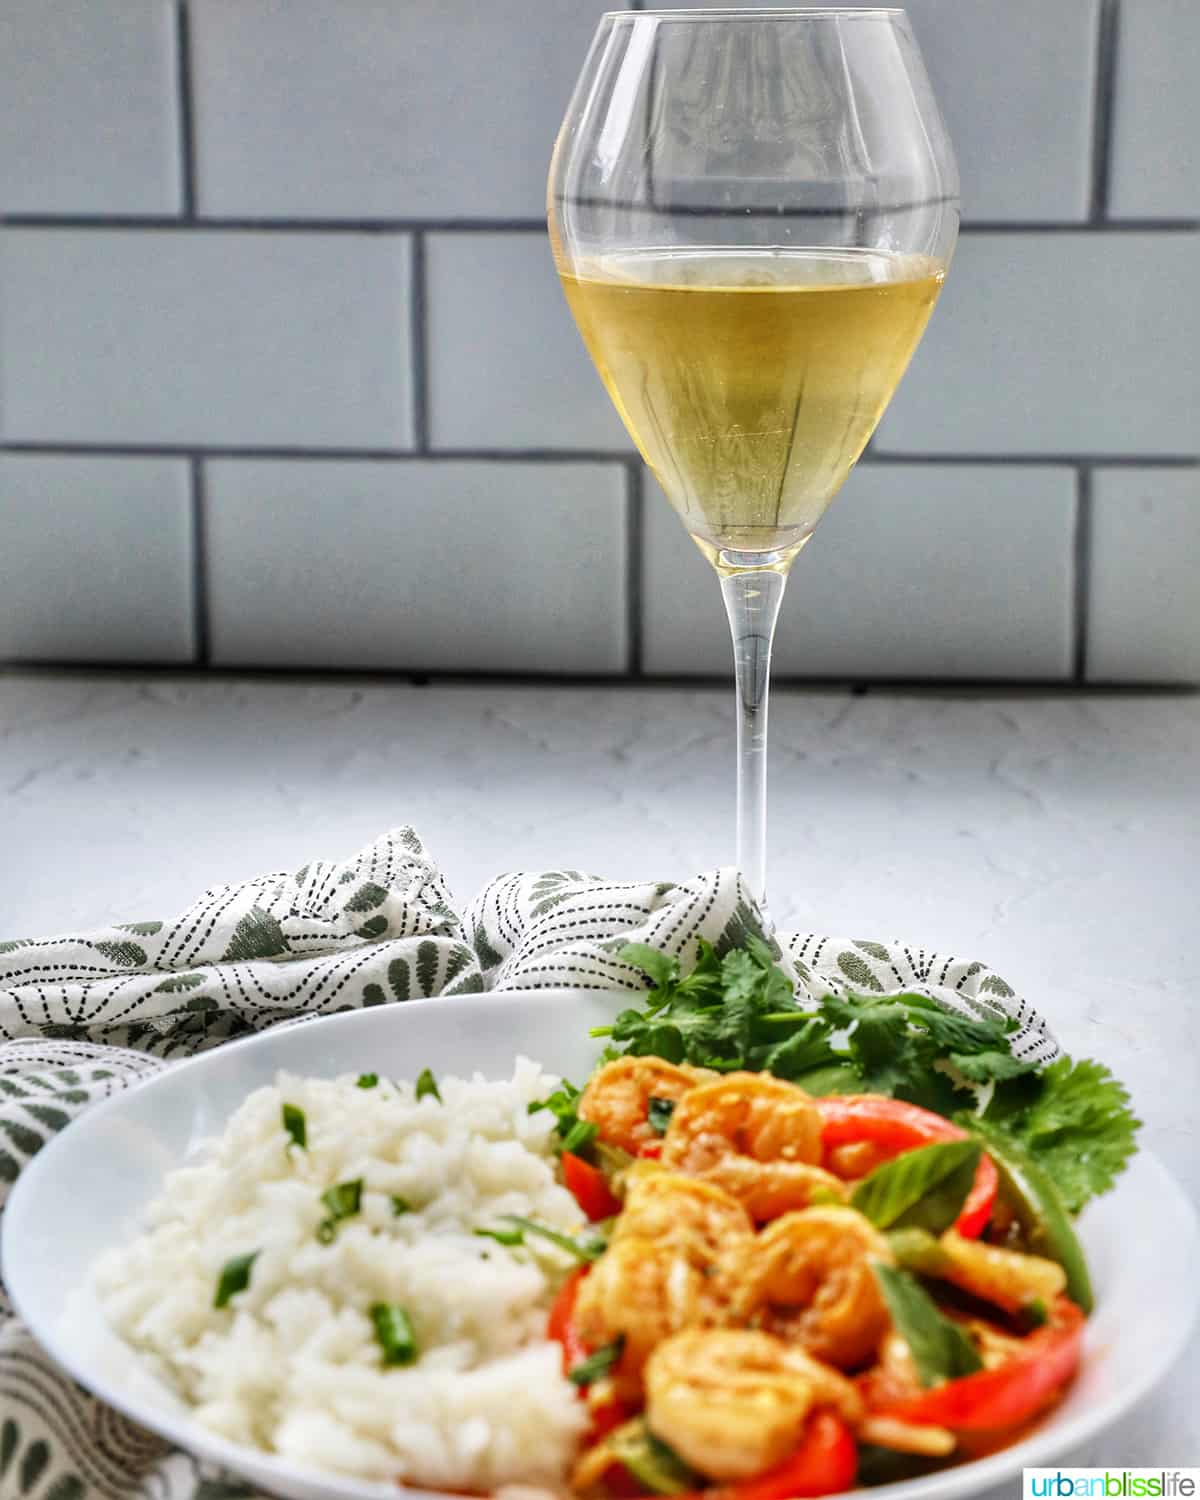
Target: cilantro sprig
{"x": 738, "y": 1011}
{"x": 1074, "y": 1120}
{"x": 574, "y": 1134}
{"x": 729, "y": 1013}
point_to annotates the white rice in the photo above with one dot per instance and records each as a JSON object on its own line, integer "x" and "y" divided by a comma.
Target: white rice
{"x": 293, "y": 1365}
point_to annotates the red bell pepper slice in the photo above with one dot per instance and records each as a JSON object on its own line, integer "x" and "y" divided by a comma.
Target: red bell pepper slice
{"x": 560, "y": 1327}
{"x": 825, "y": 1463}
{"x": 898, "y": 1126}
{"x": 588, "y": 1186}
{"x": 991, "y": 1400}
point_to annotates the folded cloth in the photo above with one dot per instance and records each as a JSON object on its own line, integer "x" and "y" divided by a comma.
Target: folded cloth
{"x": 81, "y": 1017}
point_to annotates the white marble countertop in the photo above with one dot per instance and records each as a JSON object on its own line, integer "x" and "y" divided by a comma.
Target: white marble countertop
{"x": 1058, "y": 838}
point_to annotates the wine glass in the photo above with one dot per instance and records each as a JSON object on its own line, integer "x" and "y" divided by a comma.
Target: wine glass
{"x": 752, "y": 213}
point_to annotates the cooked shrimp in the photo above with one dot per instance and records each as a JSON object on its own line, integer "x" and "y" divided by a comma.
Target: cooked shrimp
{"x": 733, "y": 1402}
{"x": 809, "y": 1278}
{"x": 669, "y": 1208}
{"x": 1007, "y": 1278}
{"x": 756, "y": 1136}
{"x": 642, "y": 1291}
{"x": 616, "y": 1100}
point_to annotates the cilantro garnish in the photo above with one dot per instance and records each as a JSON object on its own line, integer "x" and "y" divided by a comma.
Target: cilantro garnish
{"x": 738, "y": 1011}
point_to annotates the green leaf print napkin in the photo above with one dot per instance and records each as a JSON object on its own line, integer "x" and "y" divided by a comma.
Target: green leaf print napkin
{"x": 84, "y": 1016}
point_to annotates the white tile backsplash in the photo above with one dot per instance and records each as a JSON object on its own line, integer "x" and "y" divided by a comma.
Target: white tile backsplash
{"x": 96, "y": 563}
{"x": 917, "y": 570}
{"x": 1156, "y": 141}
{"x": 507, "y": 368}
{"x": 382, "y": 108}
{"x": 416, "y": 566}
{"x": 1144, "y": 588}
{"x": 89, "y": 113}
{"x": 192, "y": 337}
{"x": 310, "y": 232}
{"x": 1057, "y": 344}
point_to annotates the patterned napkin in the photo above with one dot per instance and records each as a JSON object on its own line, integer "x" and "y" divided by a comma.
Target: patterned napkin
{"x": 82, "y": 1017}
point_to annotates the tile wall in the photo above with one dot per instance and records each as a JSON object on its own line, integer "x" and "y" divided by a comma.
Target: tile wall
{"x": 286, "y": 379}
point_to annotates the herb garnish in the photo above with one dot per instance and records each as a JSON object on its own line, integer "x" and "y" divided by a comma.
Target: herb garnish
{"x": 940, "y": 1349}
{"x": 1074, "y": 1120}
{"x": 427, "y": 1084}
{"x": 235, "y": 1277}
{"x": 739, "y": 1012}
{"x": 508, "y": 1237}
{"x": 343, "y": 1201}
{"x": 394, "y": 1333}
{"x": 367, "y": 1080}
{"x": 574, "y": 1135}
{"x": 585, "y": 1249}
{"x": 400, "y": 1205}
{"x": 597, "y": 1364}
{"x": 659, "y": 1114}
{"x": 296, "y": 1125}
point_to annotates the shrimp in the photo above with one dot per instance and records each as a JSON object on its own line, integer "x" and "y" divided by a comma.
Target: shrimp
{"x": 809, "y": 1278}
{"x": 756, "y": 1136}
{"x": 733, "y": 1402}
{"x": 641, "y": 1291}
{"x": 670, "y": 1207}
{"x": 1008, "y": 1278}
{"x": 616, "y": 1100}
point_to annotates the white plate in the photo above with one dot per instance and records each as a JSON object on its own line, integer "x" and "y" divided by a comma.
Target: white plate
{"x": 87, "y": 1191}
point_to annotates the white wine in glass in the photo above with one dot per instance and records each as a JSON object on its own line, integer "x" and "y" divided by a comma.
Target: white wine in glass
{"x": 752, "y": 213}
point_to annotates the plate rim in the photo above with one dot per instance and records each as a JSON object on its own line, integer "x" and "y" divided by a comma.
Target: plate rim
{"x": 182, "y": 1430}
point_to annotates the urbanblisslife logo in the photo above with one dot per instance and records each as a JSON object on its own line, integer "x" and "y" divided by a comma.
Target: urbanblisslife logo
{"x": 1111, "y": 1484}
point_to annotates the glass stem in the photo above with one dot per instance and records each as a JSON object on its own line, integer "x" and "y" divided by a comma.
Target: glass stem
{"x": 752, "y": 599}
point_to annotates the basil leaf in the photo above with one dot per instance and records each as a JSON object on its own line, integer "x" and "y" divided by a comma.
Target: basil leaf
{"x": 922, "y": 1189}
{"x": 584, "y": 1250}
{"x": 235, "y": 1277}
{"x": 597, "y": 1364}
{"x": 659, "y": 1114}
{"x": 394, "y": 1333}
{"x": 940, "y": 1349}
{"x": 296, "y": 1125}
{"x": 427, "y": 1084}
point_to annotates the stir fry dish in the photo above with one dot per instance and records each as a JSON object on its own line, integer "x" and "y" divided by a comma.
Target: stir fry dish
{"x": 790, "y": 1292}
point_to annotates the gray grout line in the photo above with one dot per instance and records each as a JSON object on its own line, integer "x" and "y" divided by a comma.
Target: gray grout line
{"x": 1084, "y": 226}
{"x": 183, "y": 84}
{"x": 316, "y": 455}
{"x": 276, "y": 225}
{"x": 1082, "y": 554}
{"x": 1102, "y": 109}
{"x": 419, "y": 344}
{"x": 575, "y": 455}
{"x": 1069, "y": 460}
{"x": 100, "y": 222}
{"x": 635, "y": 501}
{"x": 933, "y": 687}
{"x": 200, "y": 611}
